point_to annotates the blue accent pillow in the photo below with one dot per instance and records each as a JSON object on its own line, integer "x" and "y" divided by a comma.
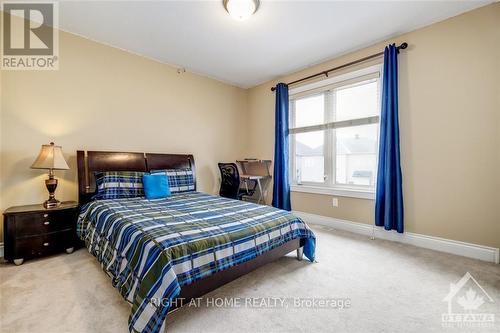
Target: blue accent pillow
{"x": 156, "y": 186}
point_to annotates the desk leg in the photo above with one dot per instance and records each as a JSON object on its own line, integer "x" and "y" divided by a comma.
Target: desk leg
{"x": 267, "y": 183}
{"x": 260, "y": 191}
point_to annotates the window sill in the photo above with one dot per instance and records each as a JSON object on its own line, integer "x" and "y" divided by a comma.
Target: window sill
{"x": 341, "y": 192}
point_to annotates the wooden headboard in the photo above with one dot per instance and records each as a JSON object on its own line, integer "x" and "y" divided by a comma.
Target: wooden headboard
{"x": 94, "y": 161}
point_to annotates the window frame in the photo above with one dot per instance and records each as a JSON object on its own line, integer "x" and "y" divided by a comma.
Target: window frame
{"x": 326, "y": 142}
{"x": 326, "y": 87}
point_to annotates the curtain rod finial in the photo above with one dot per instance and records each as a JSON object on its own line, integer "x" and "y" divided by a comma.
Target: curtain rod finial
{"x": 403, "y": 45}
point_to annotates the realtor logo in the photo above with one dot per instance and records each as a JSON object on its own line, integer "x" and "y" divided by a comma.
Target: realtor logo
{"x": 30, "y": 39}
{"x": 465, "y": 299}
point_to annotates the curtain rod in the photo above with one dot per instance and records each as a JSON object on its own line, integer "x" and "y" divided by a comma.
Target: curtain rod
{"x": 403, "y": 46}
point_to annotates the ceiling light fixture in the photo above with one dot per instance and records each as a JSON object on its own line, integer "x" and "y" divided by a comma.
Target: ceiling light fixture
{"x": 241, "y": 9}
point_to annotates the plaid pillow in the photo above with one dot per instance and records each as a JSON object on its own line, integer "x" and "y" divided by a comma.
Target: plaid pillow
{"x": 179, "y": 180}
{"x": 118, "y": 184}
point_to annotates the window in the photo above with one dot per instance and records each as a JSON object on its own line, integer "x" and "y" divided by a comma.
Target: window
{"x": 334, "y": 134}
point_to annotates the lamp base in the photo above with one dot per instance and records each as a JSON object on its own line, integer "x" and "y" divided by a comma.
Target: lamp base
{"x": 51, "y": 185}
{"x": 52, "y": 203}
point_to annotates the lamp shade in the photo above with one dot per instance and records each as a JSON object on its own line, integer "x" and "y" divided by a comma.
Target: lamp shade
{"x": 50, "y": 157}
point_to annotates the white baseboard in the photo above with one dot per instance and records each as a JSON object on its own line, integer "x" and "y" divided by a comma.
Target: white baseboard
{"x": 464, "y": 249}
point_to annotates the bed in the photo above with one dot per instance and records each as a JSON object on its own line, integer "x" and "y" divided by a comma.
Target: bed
{"x": 180, "y": 247}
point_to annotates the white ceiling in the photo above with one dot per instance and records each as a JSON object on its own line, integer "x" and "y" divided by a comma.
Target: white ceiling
{"x": 281, "y": 38}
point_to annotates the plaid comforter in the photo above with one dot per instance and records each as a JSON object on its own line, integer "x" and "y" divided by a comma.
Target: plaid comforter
{"x": 151, "y": 248}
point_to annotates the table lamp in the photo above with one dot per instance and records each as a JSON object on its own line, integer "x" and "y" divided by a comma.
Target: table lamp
{"x": 51, "y": 158}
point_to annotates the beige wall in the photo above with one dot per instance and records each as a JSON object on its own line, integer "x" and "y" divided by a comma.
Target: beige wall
{"x": 103, "y": 98}
{"x": 450, "y": 123}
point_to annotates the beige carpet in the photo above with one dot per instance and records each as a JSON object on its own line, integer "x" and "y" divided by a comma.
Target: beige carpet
{"x": 391, "y": 287}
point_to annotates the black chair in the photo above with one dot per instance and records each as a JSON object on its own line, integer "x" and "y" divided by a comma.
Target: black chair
{"x": 231, "y": 185}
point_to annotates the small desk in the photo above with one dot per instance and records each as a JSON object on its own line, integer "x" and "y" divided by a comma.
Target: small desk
{"x": 259, "y": 180}
{"x": 258, "y": 170}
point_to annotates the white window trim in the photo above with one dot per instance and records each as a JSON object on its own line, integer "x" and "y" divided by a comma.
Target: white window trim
{"x": 337, "y": 190}
{"x": 336, "y": 79}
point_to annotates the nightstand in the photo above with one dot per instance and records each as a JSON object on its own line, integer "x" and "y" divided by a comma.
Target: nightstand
{"x": 32, "y": 231}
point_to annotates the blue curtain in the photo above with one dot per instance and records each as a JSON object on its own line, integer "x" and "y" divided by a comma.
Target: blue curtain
{"x": 389, "y": 196}
{"x": 281, "y": 186}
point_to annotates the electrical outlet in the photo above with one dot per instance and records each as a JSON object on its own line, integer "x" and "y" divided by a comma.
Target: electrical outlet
{"x": 335, "y": 202}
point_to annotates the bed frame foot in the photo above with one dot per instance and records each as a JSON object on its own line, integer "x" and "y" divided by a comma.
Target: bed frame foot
{"x": 300, "y": 253}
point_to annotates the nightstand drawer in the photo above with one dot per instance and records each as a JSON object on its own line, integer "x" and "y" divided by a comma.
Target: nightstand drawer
{"x": 43, "y": 244}
{"x": 42, "y": 223}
